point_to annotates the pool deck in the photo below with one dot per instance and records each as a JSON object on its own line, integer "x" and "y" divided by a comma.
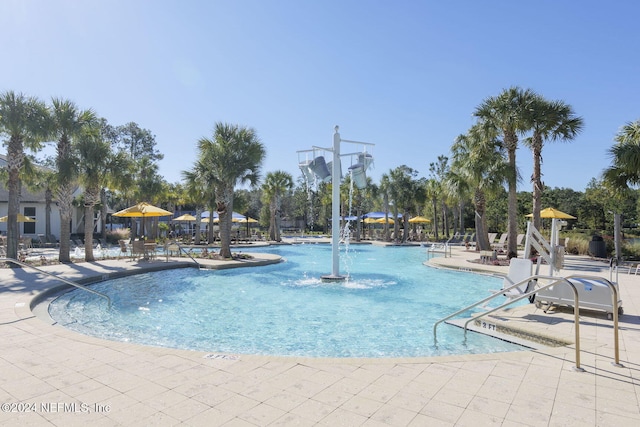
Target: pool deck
{"x": 53, "y": 376}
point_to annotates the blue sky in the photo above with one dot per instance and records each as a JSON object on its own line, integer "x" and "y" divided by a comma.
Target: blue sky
{"x": 404, "y": 75}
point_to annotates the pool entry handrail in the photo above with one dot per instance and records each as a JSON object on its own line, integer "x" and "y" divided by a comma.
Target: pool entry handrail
{"x": 62, "y": 279}
{"x": 180, "y": 249}
{"x": 555, "y": 280}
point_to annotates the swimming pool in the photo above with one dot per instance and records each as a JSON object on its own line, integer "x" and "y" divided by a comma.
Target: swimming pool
{"x": 386, "y": 309}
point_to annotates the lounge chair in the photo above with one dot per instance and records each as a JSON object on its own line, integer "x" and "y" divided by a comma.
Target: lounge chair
{"x": 53, "y": 241}
{"x": 492, "y": 237}
{"x": 501, "y": 243}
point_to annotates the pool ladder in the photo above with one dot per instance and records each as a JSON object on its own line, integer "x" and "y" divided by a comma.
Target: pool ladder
{"x": 62, "y": 279}
{"x": 554, "y": 281}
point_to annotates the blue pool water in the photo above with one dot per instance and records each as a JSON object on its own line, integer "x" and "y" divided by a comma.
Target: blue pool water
{"x": 386, "y": 309}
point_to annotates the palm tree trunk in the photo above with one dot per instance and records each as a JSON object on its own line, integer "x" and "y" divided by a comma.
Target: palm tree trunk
{"x": 511, "y": 142}
{"x": 272, "y": 221}
{"x": 482, "y": 237}
{"x": 88, "y": 232}
{"x": 536, "y": 178}
{"x": 15, "y": 158}
{"x": 225, "y": 210}
{"x": 103, "y": 213}
{"x": 435, "y": 219}
{"x": 65, "y": 198}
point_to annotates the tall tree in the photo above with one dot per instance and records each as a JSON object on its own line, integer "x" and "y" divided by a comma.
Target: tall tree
{"x": 68, "y": 123}
{"x": 403, "y": 192}
{"x": 233, "y": 156}
{"x": 507, "y": 116}
{"x": 385, "y": 190}
{"x": 625, "y": 158}
{"x": 433, "y": 190}
{"x": 438, "y": 170}
{"x": 478, "y": 162}
{"x": 96, "y": 163}
{"x": 550, "y": 121}
{"x": 24, "y": 122}
{"x": 200, "y": 183}
{"x": 276, "y": 184}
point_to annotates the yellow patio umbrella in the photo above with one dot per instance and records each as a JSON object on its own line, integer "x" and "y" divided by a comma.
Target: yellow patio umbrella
{"x": 246, "y": 219}
{"x": 382, "y": 221}
{"x": 142, "y": 210}
{"x": 370, "y": 220}
{"x": 21, "y": 218}
{"x": 419, "y": 219}
{"x": 552, "y": 213}
{"x": 185, "y": 217}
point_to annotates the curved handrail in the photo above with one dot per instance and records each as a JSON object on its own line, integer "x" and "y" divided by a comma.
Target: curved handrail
{"x": 614, "y": 305}
{"x": 555, "y": 280}
{"x": 62, "y": 279}
{"x": 181, "y": 249}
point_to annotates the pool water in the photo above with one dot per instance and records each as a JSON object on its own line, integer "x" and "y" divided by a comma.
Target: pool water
{"x": 387, "y": 308}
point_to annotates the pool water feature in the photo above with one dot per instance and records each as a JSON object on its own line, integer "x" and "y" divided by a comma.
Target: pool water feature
{"x": 385, "y": 309}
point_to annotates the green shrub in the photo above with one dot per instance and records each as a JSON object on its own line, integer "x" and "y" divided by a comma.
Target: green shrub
{"x": 118, "y": 234}
{"x": 577, "y": 244}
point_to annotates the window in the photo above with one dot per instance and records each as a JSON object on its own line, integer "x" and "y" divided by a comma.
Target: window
{"x": 29, "y": 227}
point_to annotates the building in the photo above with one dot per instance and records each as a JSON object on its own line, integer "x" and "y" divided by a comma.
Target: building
{"x": 33, "y": 205}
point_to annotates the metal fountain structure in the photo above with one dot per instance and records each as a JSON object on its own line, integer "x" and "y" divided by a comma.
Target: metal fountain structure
{"x": 318, "y": 169}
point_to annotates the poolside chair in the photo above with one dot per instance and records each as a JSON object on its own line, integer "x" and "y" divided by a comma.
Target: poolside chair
{"x": 124, "y": 249}
{"x": 40, "y": 241}
{"x": 137, "y": 249}
{"x": 492, "y": 237}
{"x": 53, "y": 240}
{"x": 501, "y": 243}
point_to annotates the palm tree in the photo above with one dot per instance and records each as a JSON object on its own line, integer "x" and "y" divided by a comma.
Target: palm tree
{"x": 68, "y": 123}
{"x": 24, "y": 120}
{"x": 625, "y": 158}
{"x": 550, "y": 121}
{"x": 96, "y": 163}
{"x": 432, "y": 191}
{"x": 200, "y": 184}
{"x": 478, "y": 163}
{"x": 403, "y": 191}
{"x": 276, "y": 184}
{"x": 233, "y": 156}
{"x": 506, "y": 115}
{"x": 385, "y": 189}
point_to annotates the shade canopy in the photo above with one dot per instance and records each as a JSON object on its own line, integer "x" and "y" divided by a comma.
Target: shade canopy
{"x": 235, "y": 216}
{"x": 21, "y": 218}
{"x": 382, "y": 221}
{"x": 247, "y": 220}
{"x": 419, "y": 219}
{"x": 377, "y": 215}
{"x": 553, "y": 213}
{"x": 143, "y": 210}
{"x": 185, "y": 217}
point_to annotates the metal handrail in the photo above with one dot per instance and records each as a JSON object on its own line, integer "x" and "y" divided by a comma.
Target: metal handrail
{"x": 555, "y": 281}
{"x": 614, "y": 305}
{"x": 180, "y": 249}
{"x": 62, "y": 279}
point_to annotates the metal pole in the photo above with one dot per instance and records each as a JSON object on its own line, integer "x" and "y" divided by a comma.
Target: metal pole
{"x": 335, "y": 205}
